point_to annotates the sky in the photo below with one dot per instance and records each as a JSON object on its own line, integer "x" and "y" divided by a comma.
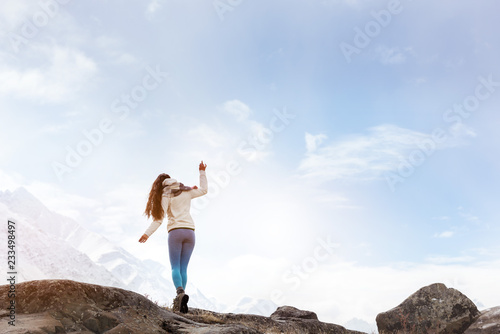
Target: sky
{"x": 350, "y": 144}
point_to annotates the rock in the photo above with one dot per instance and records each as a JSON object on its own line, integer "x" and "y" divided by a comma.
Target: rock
{"x": 82, "y": 307}
{"x": 63, "y": 306}
{"x": 487, "y": 323}
{"x": 287, "y": 312}
{"x": 37, "y": 323}
{"x": 271, "y": 324}
{"x": 432, "y": 309}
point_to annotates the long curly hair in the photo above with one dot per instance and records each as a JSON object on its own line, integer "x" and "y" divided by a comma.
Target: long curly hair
{"x": 153, "y": 207}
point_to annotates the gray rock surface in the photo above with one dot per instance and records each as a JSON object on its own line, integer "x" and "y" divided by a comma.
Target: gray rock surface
{"x": 432, "y": 309}
{"x": 64, "y": 306}
{"x": 487, "y": 323}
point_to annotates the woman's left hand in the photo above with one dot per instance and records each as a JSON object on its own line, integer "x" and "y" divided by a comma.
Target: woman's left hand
{"x": 143, "y": 238}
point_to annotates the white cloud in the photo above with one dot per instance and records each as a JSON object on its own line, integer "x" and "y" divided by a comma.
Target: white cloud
{"x": 328, "y": 197}
{"x": 126, "y": 59}
{"x": 255, "y": 144}
{"x": 120, "y": 212}
{"x": 362, "y": 156}
{"x": 51, "y": 195}
{"x": 255, "y": 138}
{"x": 62, "y": 202}
{"x": 445, "y": 234}
{"x": 153, "y": 7}
{"x": 13, "y": 13}
{"x": 114, "y": 49}
{"x": 368, "y": 157}
{"x": 391, "y": 56}
{"x": 441, "y": 218}
{"x": 53, "y": 128}
{"x": 468, "y": 216}
{"x": 450, "y": 260}
{"x": 238, "y": 109}
{"x": 460, "y": 131}
{"x": 312, "y": 141}
{"x": 24, "y": 23}
{"x": 67, "y": 72}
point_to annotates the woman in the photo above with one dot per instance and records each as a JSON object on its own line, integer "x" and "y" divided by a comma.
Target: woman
{"x": 173, "y": 198}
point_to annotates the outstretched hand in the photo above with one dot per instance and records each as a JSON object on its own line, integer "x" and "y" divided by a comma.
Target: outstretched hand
{"x": 143, "y": 238}
{"x": 202, "y": 165}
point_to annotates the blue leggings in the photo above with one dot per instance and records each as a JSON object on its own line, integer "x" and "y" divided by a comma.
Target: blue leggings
{"x": 180, "y": 247}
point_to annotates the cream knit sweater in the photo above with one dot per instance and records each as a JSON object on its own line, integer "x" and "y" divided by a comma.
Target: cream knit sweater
{"x": 177, "y": 208}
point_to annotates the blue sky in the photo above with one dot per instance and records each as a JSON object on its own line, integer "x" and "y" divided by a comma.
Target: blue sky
{"x": 388, "y": 151}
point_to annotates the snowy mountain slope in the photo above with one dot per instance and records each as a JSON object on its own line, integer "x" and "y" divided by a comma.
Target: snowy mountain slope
{"x": 55, "y": 246}
{"x": 40, "y": 255}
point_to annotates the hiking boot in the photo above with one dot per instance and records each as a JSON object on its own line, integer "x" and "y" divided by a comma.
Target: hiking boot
{"x": 181, "y": 301}
{"x": 184, "y": 304}
{"x": 178, "y": 299}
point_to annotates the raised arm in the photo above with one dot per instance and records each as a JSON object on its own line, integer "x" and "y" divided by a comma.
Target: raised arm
{"x": 203, "y": 183}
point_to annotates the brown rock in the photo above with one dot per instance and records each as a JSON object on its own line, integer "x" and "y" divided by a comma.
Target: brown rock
{"x": 434, "y": 308}
{"x": 37, "y": 323}
{"x": 271, "y": 324}
{"x": 82, "y": 307}
{"x": 287, "y": 312}
{"x": 63, "y": 306}
{"x": 487, "y": 323}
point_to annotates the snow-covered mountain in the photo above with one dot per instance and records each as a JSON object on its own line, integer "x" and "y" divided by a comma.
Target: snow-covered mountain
{"x": 50, "y": 245}
{"x": 249, "y": 305}
{"x": 361, "y": 326}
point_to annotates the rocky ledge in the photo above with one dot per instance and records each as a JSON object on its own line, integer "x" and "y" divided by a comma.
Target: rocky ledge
{"x": 65, "y": 306}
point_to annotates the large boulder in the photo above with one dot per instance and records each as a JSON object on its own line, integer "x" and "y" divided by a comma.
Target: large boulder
{"x": 60, "y": 306}
{"x": 432, "y": 309}
{"x": 487, "y": 323}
